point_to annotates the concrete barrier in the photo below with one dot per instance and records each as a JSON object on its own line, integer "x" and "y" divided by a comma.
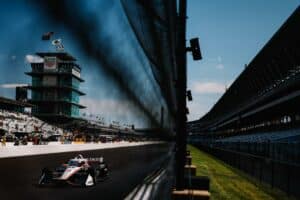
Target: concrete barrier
{"x": 190, "y": 194}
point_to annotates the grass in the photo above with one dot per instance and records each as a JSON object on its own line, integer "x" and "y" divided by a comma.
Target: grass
{"x": 229, "y": 183}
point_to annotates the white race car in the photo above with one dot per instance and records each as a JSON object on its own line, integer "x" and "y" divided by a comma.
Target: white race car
{"x": 78, "y": 171}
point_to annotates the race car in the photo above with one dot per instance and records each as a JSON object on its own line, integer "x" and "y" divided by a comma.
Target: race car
{"x": 78, "y": 171}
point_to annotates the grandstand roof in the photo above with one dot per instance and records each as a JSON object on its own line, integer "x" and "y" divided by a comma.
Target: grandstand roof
{"x": 61, "y": 55}
{"x": 6, "y": 101}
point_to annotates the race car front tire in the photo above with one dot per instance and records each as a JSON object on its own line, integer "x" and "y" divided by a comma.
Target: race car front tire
{"x": 45, "y": 178}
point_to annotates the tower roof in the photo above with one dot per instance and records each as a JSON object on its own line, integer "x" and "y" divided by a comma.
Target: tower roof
{"x": 61, "y": 55}
{"x": 8, "y": 101}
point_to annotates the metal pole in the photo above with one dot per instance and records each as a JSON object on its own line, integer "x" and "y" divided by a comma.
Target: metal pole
{"x": 181, "y": 92}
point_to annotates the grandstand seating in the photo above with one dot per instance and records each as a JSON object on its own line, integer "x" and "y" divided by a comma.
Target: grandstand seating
{"x": 12, "y": 122}
{"x": 275, "y": 136}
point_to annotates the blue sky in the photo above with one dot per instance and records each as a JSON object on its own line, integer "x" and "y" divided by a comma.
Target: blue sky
{"x": 231, "y": 33}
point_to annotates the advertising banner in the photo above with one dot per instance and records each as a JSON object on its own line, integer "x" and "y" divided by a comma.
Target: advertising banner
{"x": 50, "y": 64}
{"x": 76, "y": 73}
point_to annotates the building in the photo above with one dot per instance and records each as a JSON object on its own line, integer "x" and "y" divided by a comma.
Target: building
{"x": 55, "y": 87}
{"x": 21, "y": 94}
{"x": 13, "y": 105}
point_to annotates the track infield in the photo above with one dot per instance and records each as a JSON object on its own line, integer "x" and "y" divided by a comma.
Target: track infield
{"x": 229, "y": 183}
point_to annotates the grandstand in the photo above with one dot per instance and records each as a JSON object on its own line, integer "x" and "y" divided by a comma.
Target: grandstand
{"x": 292, "y": 135}
{"x": 12, "y": 105}
{"x": 16, "y": 122}
{"x": 266, "y": 91}
{"x": 255, "y": 125}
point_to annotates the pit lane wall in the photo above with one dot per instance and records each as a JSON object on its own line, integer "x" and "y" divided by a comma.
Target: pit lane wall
{"x": 9, "y": 150}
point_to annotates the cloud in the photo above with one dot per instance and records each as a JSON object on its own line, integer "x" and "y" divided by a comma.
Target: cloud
{"x": 208, "y": 87}
{"x": 102, "y": 106}
{"x": 33, "y": 59}
{"x": 13, "y": 57}
{"x": 203, "y": 100}
{"x": 12, "y": 85}
{"x": 217, "y": 62}
{"x": 112, "y": 109}
{"x": 197, "y": 109}
{"x": 220, "y": 66}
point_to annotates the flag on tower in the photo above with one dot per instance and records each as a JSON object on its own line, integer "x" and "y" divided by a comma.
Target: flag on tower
{"x": 47, "y": 36}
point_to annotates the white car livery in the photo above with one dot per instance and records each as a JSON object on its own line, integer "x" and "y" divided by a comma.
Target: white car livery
{"x": 78, "y": 171}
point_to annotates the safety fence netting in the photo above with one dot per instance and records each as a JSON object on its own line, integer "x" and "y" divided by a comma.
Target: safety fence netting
{"x": 132, "y": 43}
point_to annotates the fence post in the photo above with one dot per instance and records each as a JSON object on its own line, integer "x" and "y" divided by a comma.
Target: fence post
{"x": 297, "y": 152}
{"x": 260, "y": 169}
{"x": 272, "y": 173}
{"x": 253, "y": 168}
{"x": 269, "y": 149}
{"x": 239, "y": 160}
{"x": 288, "y": 179}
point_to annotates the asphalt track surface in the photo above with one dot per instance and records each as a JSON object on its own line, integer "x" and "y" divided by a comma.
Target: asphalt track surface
{"x": 128, "y": 165}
